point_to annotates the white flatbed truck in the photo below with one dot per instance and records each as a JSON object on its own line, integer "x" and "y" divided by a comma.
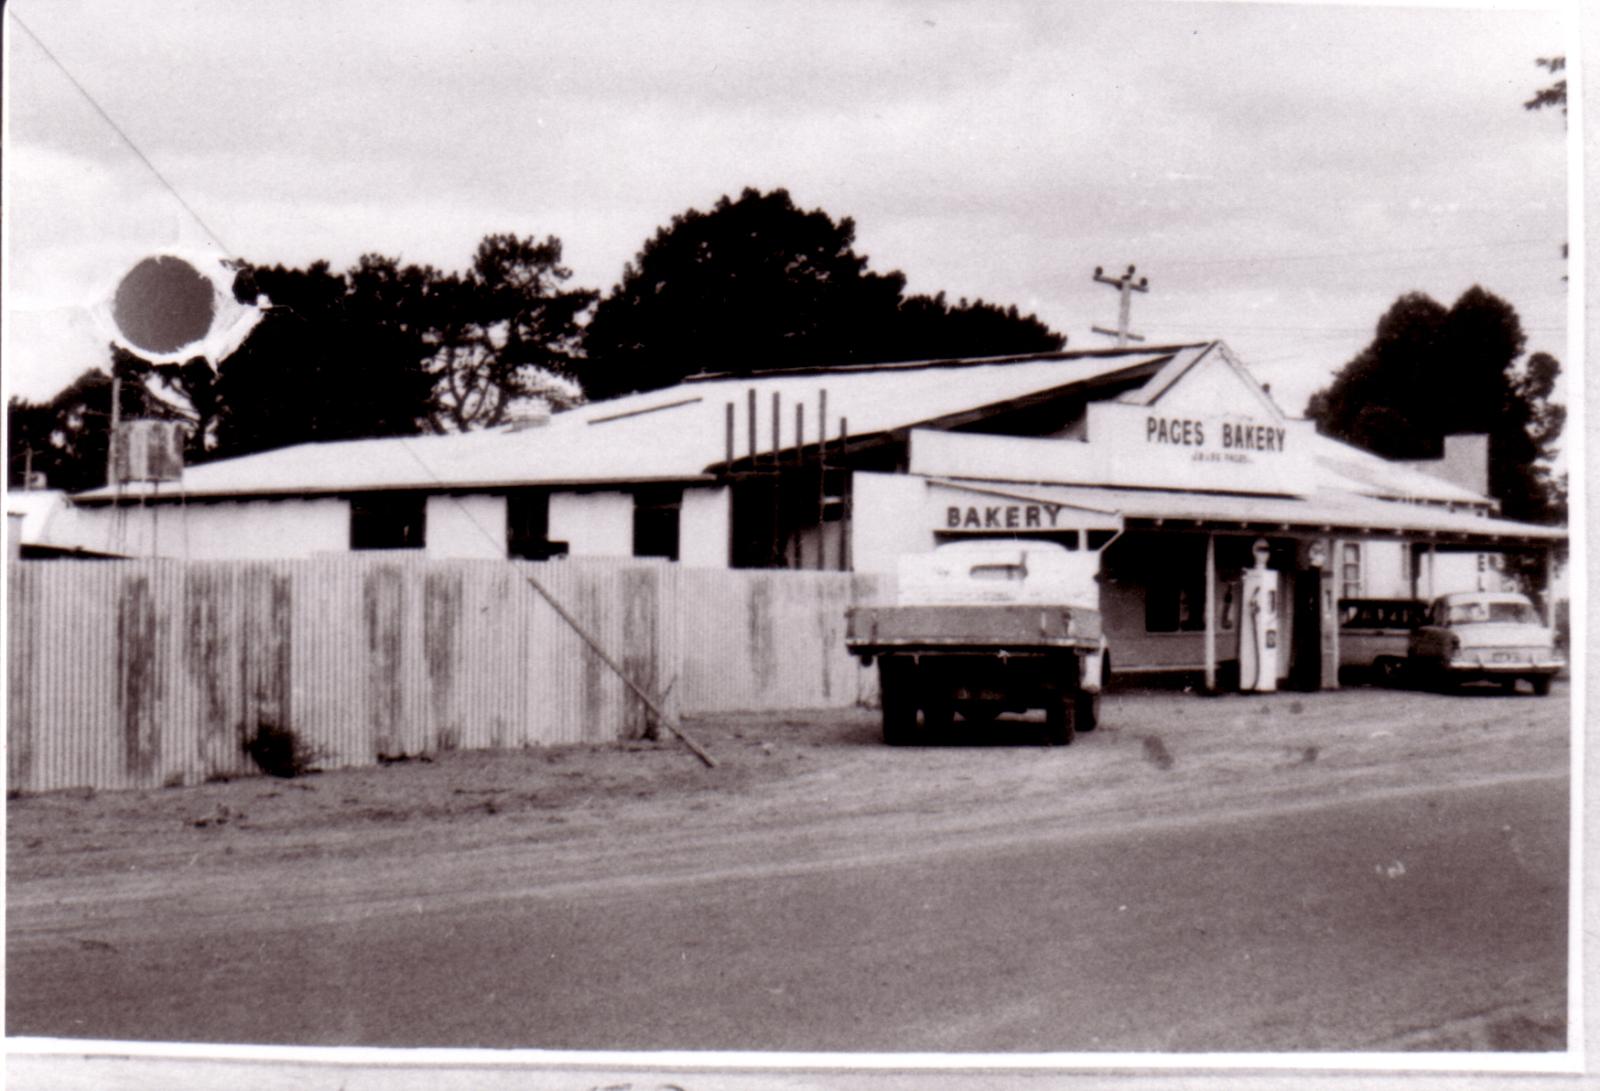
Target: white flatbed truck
{"x": 982, "y": 627}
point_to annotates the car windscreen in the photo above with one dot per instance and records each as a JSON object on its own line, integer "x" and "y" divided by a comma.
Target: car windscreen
{"x": 1468, "y": 613}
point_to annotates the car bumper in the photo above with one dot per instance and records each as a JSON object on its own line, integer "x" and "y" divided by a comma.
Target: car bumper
{"x": 1526, "y": 668}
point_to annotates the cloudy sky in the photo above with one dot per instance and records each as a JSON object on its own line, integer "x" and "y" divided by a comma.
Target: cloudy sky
{"x": 1281, "y": 173}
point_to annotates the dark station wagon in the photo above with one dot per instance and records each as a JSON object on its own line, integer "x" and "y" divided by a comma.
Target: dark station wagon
{"x": 1374, "y": 634}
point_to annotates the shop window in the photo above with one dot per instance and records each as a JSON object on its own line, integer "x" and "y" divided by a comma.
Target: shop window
{"x": 1350, "y": 571}
{"x": 655, "y": 521}
{"x": 528, "y": 527}
{"x": 1174, "y": 606}
{"x": 397, "y": 521}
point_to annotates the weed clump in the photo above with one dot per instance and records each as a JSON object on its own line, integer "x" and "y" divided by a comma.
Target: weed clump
{"x": 281, "y": 752}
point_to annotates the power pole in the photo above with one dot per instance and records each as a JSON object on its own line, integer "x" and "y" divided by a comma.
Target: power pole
{"x": 116, "y": 421}
{"x": 1126, "y": 286}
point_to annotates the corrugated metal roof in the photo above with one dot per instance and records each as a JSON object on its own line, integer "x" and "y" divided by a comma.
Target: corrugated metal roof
{"x": 671, "y": 434}
{"x": 1325, "y": 508}
{"x": 1343, "y": 466}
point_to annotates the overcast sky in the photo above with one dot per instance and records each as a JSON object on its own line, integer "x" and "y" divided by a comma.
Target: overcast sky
{"x": 1281, "y": 173}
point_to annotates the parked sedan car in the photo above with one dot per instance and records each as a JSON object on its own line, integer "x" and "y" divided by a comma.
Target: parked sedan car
{"x": 1478, "y": 636}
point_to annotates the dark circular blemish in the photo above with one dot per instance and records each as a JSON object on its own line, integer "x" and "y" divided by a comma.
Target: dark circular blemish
{"x": 163, "y": 304}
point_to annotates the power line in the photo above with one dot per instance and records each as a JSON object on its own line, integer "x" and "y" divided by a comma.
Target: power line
{"x": 1409, "y": 250}
{"x": 126, "y": 139}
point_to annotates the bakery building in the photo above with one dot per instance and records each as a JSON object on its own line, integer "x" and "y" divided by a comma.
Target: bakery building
{"x": 848, "y": 468}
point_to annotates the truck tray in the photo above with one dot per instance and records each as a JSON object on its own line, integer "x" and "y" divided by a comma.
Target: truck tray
{"x": 873, "y": 629}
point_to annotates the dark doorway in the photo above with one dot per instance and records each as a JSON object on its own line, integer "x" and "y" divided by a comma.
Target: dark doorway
{"x": 1305, "y": 644}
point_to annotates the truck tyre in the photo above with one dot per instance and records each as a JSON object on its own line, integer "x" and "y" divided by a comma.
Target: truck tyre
{"x": 980, "y": 713}
{"x": 938, "y": 709}
{"x": 1088, "y": 711}
{"x": 1059, "y": 719}
{"x": 1541, "y": 685}
{"x": 899, "y": 703}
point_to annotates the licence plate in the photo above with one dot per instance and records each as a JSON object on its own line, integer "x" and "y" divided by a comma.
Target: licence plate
{"x": 1504, "y": 657}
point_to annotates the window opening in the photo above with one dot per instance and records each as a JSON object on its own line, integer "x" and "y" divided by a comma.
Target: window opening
{"x": 528, "y": 527}
{"x": 395, "y": 521}
{"x": 656, "y": 521}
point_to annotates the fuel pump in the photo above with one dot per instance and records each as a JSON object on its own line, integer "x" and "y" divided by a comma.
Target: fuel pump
{"x": 1258, "y": 634}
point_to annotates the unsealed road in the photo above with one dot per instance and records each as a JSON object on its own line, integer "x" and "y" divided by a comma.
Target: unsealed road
{"x": 1284, "y": 882}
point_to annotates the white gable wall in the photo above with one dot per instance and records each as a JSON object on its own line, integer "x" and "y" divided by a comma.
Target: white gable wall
{"x": 1216, "y": 387}
{"x": 888, "y": 519}
{"x": 466, "y": 527}
{"x": 593, "y": 524}
{"x": 703, "y": 528}
{"x": 232, "y": 530}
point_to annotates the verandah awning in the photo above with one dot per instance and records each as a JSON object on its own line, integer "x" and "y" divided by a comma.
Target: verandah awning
{"x": 1319, "y": 513}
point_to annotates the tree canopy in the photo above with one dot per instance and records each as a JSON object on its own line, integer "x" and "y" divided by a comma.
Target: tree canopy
{"x": 759, "y": 284}
{"x": 1432, "y": 371}
{"x": 336, "y": 357}
{"x": 510, "y": 333}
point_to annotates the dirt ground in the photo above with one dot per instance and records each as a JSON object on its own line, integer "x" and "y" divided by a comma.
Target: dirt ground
{"x": 463, "y": 828}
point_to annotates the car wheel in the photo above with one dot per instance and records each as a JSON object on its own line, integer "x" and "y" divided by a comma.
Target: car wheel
{"x": 1541, "y": 685}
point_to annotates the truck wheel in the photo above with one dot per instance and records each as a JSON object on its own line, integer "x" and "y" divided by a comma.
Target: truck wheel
{"x": 1059, "y": 719}
{"x": 981, "y": 713}
{"x": 1541, "y": 685}
{"x": 1389, "y": 670}
{"x": 899, "y": 704}
{"x": 1088, "y": 712}
{"x": 938, "y": 710}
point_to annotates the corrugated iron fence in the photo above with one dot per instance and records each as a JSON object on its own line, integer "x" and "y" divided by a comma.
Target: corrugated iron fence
{"x": 772, "y": 640}
{"x": 127, "y": 674}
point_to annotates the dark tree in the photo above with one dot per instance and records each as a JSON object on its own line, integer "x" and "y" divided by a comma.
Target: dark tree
{"x": 507, "y": 331}
{"x": 758, "y": 284}
{"x": 1430, "y": 372}
{"x": 927, "y": 328}
{"x": 336, "y": 357}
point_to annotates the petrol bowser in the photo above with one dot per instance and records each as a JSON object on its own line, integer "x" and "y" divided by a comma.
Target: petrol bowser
{"x": 1259, "y": 639}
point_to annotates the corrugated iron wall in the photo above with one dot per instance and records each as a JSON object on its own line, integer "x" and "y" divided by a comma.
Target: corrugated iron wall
{"x": 761, "y": 640}
{"x": 125, "y": 674}
{"x": 145, "y": 673}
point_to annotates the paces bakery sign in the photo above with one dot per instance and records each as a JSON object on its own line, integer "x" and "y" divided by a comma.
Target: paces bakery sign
{"x": 1148, "y": 447}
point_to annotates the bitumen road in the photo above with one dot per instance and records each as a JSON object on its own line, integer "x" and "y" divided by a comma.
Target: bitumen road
{"x": 1411, "y": 918}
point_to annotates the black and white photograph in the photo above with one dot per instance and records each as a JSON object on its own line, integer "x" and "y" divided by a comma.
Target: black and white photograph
{"x": 726, "y": 544}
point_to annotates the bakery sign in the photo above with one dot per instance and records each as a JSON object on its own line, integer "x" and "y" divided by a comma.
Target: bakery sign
{"x": 1152, "y": 447}
{"x": 1001, "y": 515}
